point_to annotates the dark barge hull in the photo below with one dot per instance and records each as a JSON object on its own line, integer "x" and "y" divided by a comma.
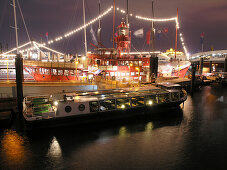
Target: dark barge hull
{"x": 99, "y": 117}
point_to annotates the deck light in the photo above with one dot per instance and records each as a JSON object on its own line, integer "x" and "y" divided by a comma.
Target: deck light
{"x": 150, "y": 102}
{"x": 55, "y": 103}
{"x": 83, "y": 58}
{"x": 123, "y": 106}
{"x": 77, "y": 97}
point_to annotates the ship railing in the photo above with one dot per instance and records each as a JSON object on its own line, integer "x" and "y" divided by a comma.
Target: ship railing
{"x": 50, "y": 64}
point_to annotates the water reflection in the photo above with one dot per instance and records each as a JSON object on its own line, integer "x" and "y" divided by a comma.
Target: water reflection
{"x": 14, "y": 151}
{"x": 54, "y": 152}
{"x": 123, "y": 132}
{"x": 149, "y": 127}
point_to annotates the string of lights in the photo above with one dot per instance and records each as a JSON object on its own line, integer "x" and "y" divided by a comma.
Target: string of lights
{"x": 70, "y": 33}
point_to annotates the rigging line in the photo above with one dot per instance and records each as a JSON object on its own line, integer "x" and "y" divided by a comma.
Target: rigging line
{"x": 134, "y": 47}
{"x": 70, "y": 24}
{"x": 23, "y": 20}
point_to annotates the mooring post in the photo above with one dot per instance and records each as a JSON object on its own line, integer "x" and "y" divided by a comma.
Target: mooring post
{"x": 201, "y": 66}
{"x": 193, "y": 78}
{"x": 19, "y": 82}
{"x": 225, "y": 65}
{"x": 156, "y": 67}
{"x": 152, "y": 65}
{"x": 210, "y": 67}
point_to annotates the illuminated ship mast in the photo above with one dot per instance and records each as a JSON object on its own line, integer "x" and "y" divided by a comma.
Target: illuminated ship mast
{"x": 123, "y": 38}
{"x": 85, "y": 34}
{"x": 15, "y": 22}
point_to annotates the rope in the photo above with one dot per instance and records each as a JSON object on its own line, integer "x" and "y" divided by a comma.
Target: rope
{"x": 23, "y": 21}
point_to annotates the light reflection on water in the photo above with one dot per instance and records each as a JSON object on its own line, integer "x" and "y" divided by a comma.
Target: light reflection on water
{"x": 193, "y": 139}
{"x": 14, "y": 149}
{"x": 54, "y": 152}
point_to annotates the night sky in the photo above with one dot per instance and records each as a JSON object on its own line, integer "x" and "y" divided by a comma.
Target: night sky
{"x": 60, "y": 16}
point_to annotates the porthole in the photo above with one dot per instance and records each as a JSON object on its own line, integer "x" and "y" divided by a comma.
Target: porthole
{"x": 68, "y": 109}
{"x": 81, "y": 107}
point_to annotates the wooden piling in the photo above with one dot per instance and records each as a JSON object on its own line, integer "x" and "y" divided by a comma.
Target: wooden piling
{"x": 193, "y": 78}
{"x": 19, "y": 82}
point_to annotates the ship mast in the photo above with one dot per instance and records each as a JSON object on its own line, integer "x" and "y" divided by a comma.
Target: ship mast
{"x": 176, "y": 38}
{"x": 85, "y": 34}
{"x": 15, "y": 22}
{"x": 127, "y": 19}
{"x": 114, "y": 24}
{"x": 99, "y": 29}
{"x": 152, "y": 27}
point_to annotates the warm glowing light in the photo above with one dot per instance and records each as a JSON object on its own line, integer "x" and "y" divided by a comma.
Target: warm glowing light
{"x": 13, "y": 149}
{"x": 123, "y": 106}
{"x": 83, "y": 58}
{"x": 77, "y": 97}
{"x": 56, "y": 103}
{"x": 150, "y": 102}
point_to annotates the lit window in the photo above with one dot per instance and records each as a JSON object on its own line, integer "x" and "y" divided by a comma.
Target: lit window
{"x": 132, "y": 73}
{"x": 127, "y": 74}
{"x": 114, "y": 68}
{"x": 60, "y": 72}
{"x": 66, "y": 72}
{"x": 118, "y": 73}
{"x": 122, "y": 74}
{"x": 112, "y": 73}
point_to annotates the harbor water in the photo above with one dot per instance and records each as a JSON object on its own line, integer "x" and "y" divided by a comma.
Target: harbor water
{"x": 191, "y": 137}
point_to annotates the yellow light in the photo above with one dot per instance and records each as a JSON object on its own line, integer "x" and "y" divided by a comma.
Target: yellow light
{"x": 77, "y": 97}
{"x": 137, "y": 68}
{"x": 150, "y": 102}
{"x": 131, "y": 65}
{"x": 56, "y": 103}
{"x": 83, "y": 58}
{"x": 123, "y": 106}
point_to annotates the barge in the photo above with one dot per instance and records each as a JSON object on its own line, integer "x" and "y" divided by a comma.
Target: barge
{"x": 85, "y": 107}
